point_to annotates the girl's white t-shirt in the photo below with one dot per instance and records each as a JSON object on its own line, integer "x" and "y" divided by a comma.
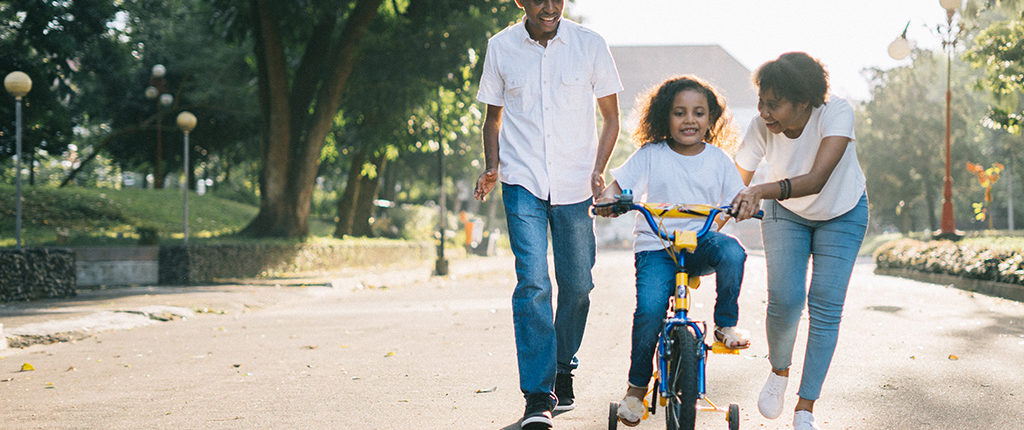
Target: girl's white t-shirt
{"x": 787, "y": 158}
{"x": 657, "y": 174}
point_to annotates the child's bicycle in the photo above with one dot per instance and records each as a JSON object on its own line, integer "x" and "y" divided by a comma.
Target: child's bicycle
{"x": 682, "y": 351}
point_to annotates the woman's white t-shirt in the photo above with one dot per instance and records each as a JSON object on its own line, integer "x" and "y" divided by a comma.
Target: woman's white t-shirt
{"x": 657, "y": 174}
{"x": 794, "y": 157}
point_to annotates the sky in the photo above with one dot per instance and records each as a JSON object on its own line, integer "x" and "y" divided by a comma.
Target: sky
{"x": 847, "y": 36}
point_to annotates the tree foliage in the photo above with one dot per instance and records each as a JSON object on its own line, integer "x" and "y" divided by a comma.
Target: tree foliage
{"x": 59, "y": 45}
{"x": 998, "y": 51}
{"x": 901, "y": 142}
{"x": 405, "y": 111}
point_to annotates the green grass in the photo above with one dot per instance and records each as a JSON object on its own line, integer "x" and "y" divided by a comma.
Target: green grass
{"x": 96, "y": 216}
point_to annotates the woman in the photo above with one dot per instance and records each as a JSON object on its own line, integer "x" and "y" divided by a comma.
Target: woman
{"x": 815, "y": 205}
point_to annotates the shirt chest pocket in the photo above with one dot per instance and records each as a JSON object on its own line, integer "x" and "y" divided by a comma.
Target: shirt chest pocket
{"x": 573, "y": 92}
{"x": 516, "y": 97}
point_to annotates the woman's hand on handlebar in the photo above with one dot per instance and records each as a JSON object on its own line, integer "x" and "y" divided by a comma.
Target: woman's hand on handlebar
{"x": 746, "y": 203}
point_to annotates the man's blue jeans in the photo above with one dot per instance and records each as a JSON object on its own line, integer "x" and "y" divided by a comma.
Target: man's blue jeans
{"x": 547, "y": 341}
{"x": 655, "y": 284}
{"x": 789, "y": 242}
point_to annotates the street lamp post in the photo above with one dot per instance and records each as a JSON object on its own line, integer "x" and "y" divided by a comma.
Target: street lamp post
{"x": 18, "y": 84}
{"x": 157, "y": 91}
{"x": 441, "y": 265}
{"x": 900, "y": 49}
{"x": 947, "y": 226}
{"x": 186, "y": 122}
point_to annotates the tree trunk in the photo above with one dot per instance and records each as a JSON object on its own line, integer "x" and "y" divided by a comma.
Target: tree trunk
{"x": 364, "y": 203}
{"x": 932, "y": 204}
{"x": 291, "y": 135}
{"x": 346, "y": 203}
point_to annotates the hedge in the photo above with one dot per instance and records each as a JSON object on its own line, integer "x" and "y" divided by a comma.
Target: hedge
{"x": 210, "y": 263}
{"x": 953, "y": 258}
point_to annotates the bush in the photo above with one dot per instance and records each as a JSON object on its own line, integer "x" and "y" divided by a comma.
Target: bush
{"x": 968, "y": 260}
{"x": 412, "y": 222}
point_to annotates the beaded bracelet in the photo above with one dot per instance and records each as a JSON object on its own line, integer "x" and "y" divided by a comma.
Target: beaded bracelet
{"x": 785, "y": 189}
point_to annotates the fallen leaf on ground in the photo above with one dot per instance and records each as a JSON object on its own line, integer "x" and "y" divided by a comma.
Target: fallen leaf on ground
{"x": 27, "y": 367}
{"x": 953, "y": 357}
{"x": 390, "y": 354}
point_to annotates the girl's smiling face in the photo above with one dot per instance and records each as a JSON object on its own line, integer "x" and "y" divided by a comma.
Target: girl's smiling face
{"x": 688, "y": 121}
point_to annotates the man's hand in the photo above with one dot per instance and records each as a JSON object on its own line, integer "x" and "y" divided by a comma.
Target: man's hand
{"x": 605, "y": 211}
{"x": 597, "y": 184}
{"x": 485, "y": 183}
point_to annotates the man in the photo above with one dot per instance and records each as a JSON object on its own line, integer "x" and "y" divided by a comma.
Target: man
{"x": 541, "y": 76}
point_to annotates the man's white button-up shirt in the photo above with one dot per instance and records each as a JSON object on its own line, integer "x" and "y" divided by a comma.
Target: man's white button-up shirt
{"x": 548, "y": 137}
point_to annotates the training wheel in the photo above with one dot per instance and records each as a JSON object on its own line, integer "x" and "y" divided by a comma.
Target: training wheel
{"x": 733, "y": 416}
{"x": 613, "y": 415}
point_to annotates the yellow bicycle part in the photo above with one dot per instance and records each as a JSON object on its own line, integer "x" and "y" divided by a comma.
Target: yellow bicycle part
{"x": 665, "y": 210}
{"x": 719, "y": 348}
{"x": 685, "y": 240}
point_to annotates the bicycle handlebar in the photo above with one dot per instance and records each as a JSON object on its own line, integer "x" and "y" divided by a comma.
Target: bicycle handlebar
{"x": 625, "y": 204}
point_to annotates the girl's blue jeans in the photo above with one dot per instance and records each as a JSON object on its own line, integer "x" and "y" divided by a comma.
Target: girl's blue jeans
{"x": 655, "y": 284}
{"x": 831, "y": 246}
{"x": 547, "y": 340}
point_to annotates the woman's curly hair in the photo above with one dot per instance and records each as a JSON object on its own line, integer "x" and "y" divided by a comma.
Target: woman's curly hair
{"x": 794, "y": 76}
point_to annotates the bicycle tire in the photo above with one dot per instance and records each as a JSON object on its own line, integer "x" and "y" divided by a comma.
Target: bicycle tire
{"x": 681, "y": 409}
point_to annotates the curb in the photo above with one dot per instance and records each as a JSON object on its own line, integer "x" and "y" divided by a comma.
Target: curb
{"x": 84, "y": 327}
{"x": 990, "y": 288}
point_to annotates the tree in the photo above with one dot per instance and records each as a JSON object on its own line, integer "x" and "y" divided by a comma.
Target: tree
{"x": 304, "y": 54}
{"x": 899, "y": 142}
{"x": 998, "y": 52}
{"x": 400, "y": 114}
{"x": 205, "y": 74}
{"x": 57, "y": 44}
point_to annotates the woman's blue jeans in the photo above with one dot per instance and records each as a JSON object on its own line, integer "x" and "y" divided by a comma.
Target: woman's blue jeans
{"x": 655, "y": 284}
{"x": 547, "y": 341}
{"x": 789, "y": 242}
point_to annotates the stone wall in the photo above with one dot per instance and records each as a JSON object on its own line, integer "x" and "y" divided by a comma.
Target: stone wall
{"x": 36, "y": 273}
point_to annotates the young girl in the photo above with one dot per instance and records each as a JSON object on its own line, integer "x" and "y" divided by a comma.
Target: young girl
{"x": 677, "y": 162}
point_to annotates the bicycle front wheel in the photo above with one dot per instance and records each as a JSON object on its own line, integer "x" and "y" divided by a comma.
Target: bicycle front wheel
{"x": 684, "y": 352}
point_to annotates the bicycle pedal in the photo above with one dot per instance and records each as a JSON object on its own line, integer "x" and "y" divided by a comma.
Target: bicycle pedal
{"x": 719, "y": 348}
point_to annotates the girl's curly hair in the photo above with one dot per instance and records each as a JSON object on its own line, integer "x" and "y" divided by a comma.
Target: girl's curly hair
{"x": 654, "y": 114}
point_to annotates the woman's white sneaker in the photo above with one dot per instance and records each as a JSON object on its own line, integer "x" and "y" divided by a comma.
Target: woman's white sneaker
{"x": 772, "y": 395}
{"x": 804, "y": 420}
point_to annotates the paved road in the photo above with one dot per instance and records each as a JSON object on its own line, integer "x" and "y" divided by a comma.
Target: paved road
{"x": 400, "y": 349}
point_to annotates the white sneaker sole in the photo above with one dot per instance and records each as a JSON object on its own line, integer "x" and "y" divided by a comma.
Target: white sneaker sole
{"x": 563, "y": 408}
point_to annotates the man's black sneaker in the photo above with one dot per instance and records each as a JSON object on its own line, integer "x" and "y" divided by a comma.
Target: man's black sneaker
{"x": 538, "y": 412}
{"x": 563, "y": 391}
